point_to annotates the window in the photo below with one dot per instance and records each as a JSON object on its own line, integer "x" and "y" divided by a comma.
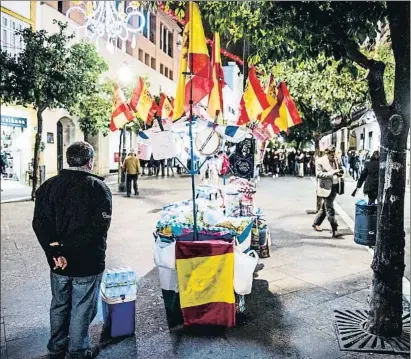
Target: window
{"x": 170, "y": 44}
{"x": 147, "y": 60}
{"x": 162, "y": 69}
{"x": 60, "y": 6}
{"x": 140, "y": 55}
{"x": 166, "y": 72}
{"x": 129, "y": 49}
{"x": 171, "y": 75}
{"x": 362, "y": 142}
{"x": 153, "y": 63}
{"x": 147, "y": 23}
{"x": 119, "y": 43}
{"x": 153, "y": 26}
{"x": 10, "y": 41}
{"x": 161, "y": 36}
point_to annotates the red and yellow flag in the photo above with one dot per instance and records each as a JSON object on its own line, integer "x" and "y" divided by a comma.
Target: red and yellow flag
{"x": 205, "y": 271}
{"x": 282, "y": 113}
{"x": 194, "y": 59}
{"x": 165, "y": 108}
{"x": 121, "y": 114}
{"x": 254, "y": 100}
{"x": 143, "y": 103}
{"x": 215, "y": 101}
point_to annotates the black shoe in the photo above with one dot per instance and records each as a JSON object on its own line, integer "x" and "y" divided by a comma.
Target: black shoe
{"x": 92, "y": 353}
{"x": 137, "y": 193}
{"x": 61, "y": 355}
{"x": 128, "y": 194}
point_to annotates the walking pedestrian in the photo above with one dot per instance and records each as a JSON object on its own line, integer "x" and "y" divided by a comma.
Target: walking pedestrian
{"x": 72, "y": 215}
{"x": 131, "y": 166}
{"x": 301, "y": 157}
{"x": 328, "y": 169}
{"x": 276, "y": 163}
{"x": 296, "y": 162}
{"x": 370, "y": 175}
{"x": 291, "y": 162}
{"x": 170, "y": 166}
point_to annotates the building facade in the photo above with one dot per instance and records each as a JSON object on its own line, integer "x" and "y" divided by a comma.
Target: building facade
{"x": 18, "y": 124}
{"x": 155, "y": 57}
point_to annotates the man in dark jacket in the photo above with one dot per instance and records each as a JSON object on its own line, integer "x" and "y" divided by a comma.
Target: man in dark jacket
{"x": 72, "y": 216}
{"x": 370, "y": 175}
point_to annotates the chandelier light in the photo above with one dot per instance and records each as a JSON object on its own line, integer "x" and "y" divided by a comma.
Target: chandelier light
{"x": 111, "y": 20}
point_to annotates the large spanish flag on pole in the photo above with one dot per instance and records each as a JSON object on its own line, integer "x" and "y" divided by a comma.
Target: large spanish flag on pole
{"x": 215, "y": 101}
{"x": 142, "y": 102}
{"x": 205, "y": 271}
{"x": 194, "y": 59}
{"x": 254, "y": 100}
{"x": 121, "y": 114}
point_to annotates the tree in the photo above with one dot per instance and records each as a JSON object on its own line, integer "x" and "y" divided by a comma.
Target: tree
{"x": 322, "y": 88}
{"x": 94, "y": 110}
{"x": 47, "y": 74}
{"x": 302, "y": 30}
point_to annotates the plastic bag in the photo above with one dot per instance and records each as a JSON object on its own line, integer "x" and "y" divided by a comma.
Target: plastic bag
{"x": 164, "y": 254}
{"x": 244, "y": 266}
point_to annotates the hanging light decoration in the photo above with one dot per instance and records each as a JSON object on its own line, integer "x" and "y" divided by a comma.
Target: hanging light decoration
{"x": 110, "y": 19}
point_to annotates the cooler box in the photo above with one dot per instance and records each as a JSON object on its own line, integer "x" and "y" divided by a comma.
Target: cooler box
{"x": 119, "y": 316}
{"x": 118, "y": 294}
{"x": 365, "y": 230}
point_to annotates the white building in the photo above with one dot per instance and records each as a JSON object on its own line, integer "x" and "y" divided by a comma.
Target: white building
{"x": 232, "y": 92}
{"x": 156, "y": 57}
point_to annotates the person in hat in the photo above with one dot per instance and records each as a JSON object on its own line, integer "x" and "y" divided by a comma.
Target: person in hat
{"x": 328, "y": 169}
{"x": 131, "y": 166}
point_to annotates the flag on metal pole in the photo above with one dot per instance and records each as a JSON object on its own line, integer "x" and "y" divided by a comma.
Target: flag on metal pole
{"x": 254, "y": 100}
{"x": 121, "y": 113}
{"x": 142, "y": 103}
{"x": 215, "y": 101}
{"x": 195, "y": 67}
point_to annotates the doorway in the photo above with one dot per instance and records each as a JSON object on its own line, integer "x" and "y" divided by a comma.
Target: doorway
{"x": 59, "y": 146}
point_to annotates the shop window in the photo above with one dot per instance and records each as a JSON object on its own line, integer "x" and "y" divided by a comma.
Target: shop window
{"x": 153, "y": 63}
{"x": 147, "y": 59}
{"x": 170, "y": 44}
{"x": 162, "y": 69}
{"x": 153, "y": 27}
{"x": 140, "y": 55}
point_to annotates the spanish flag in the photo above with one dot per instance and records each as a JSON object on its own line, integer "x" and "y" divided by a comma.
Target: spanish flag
{"x": 215, "y": 101}
{"x": 254, "y": 100}
{"x": 165, "y": 108}
{"x": 142, "y": 102}
{"x": 194, "y": 59}
{"x": 121, "y": 114}
{"x": 205, "y": 271}
{"x": 282, "y": 113}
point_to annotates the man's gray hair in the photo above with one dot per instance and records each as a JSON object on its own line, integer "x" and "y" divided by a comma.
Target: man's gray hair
{"x": 79, "y": 154}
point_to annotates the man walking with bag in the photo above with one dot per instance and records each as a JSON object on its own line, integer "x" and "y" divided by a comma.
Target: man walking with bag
{"x": 131, "y": 166}
{"x": 329, "y": 184}
{"x": 72, "y": 216}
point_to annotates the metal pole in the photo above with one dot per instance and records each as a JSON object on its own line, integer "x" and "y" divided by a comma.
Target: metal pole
{"x": 192, "y": 169}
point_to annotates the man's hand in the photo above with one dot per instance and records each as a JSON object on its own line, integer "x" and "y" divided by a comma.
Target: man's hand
{"x": 60, "y": 262}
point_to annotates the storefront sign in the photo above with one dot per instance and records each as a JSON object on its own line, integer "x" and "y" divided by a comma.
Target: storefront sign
{"x": 12, "y": 121}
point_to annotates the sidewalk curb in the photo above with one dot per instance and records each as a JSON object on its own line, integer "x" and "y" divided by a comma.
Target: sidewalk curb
{"x": 15, "y": 200}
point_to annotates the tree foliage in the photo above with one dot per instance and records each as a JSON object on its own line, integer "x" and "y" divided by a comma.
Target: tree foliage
{"x": 49, "y": 73}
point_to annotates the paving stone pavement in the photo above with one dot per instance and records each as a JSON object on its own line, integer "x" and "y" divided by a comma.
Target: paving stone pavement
{"x": 289, "y": 312}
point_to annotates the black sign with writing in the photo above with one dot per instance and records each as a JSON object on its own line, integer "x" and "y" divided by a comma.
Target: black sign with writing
{"x": 244, "y": 159}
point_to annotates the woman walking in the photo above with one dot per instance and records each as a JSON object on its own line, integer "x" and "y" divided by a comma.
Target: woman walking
{"x": 369, "y": 175}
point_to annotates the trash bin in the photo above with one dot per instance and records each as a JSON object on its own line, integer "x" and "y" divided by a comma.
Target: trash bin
{"x": 118, "y": 294}
{"x": 365, "y": 229}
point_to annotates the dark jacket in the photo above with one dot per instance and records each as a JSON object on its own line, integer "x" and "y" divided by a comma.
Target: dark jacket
{"x": 369, "y": 175}
{"x": 74, "y": 209}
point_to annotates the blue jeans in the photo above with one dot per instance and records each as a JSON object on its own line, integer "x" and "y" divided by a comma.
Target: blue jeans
{"x": 73, "y": 308}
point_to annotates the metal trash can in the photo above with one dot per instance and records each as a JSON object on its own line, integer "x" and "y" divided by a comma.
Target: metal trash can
{"x": 365, "y": 230}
